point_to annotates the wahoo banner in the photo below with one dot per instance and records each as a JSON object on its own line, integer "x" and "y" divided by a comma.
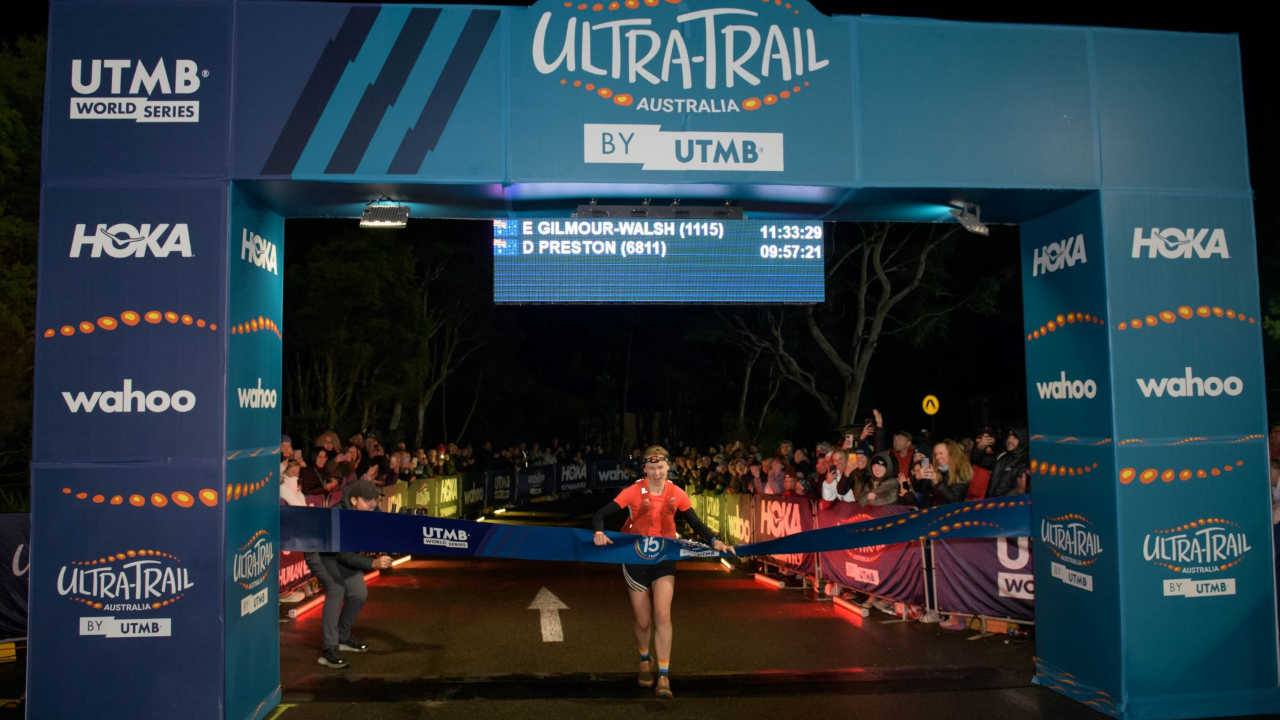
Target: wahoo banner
{"x": 332, "y": 530}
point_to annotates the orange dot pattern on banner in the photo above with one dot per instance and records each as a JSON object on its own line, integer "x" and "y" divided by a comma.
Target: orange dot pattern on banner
{"x": 1061, "y": 321}
{"x": 183, "y": 499}
{"x": 235, "y": 491}
{"x": 154, "y": 605}
{"x": 1183, "y": 312}
{"x": 1150, "y": 475}
{"x": 1044, "y": 468}
{"x": 257, "y": 324}
{"x": 623, "y": 99}
{"x": 1073, "y": 439}
{"x": 945, "y": 517}
{"x": 128, "y": 318}
{"x": 254, "y": 453}
{"x": 1186, "y": 441}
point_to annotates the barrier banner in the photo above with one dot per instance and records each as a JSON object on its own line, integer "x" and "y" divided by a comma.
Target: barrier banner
{"x": 779, "y": 517}
{"x": 445, "y": 497}
{"x": 473, "y": 497}
{"x": 418, "y": 494}
{"x": 572, "y": 478}
{"x": 500, "y": 489}
{"x": 738, "y": 513}
{"x": 535, "y": 482}
{"x": 892, "y": 570}
{"x": 395, "y": 497}
{"x": 15, "y": 529}
{"x": 985, "y": 577}
{"x": 293, "y": 570}
{"x": 607, "y": 474}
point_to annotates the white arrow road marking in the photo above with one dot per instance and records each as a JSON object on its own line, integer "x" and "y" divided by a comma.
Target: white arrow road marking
{"x": 549, "y": 607}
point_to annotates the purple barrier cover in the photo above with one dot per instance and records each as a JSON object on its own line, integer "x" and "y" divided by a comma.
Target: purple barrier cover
{"x": 777, "y": 517}
{"x": 892, "y": 571}
{"x": 985, "y": 577}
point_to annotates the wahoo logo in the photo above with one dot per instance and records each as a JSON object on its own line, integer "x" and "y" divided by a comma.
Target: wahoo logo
{"x": 257, "y": 251}
{"x": 1064, "y": 389}
{"x": 1020, "y": 585}
{"x": 473, "y": 495}
{"x": 122, "y": 240}
{"x": 443, "y": 537}
{"x": 780, "y": 519}
{"x": 740, "y": 528}
{"x": 1176, "y": 243}
{"x": 123, "y": 90}
{"x": 611, "y": 477}
{"x": 130, "y": 400}
{"x": 1190, "y": 386}
{"x": 1055, "y": 256}
{"x": 256, "y": 398}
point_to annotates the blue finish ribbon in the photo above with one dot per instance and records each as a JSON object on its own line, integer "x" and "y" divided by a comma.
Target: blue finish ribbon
{"x": 332, "y": 530}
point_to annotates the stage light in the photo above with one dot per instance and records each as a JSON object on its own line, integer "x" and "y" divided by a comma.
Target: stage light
{"x": 385, "y": 213}
{"x": 771, "y": 582}
{"x": 400, "y": 561}
{"x": 725, "y": 562}
{"x": 499, "y": 511}
{"x": 970, "y": 216}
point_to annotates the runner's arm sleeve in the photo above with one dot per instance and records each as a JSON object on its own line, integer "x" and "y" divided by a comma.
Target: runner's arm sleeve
{"x": 696, "y": 524}
{"x": 598, "y": 521}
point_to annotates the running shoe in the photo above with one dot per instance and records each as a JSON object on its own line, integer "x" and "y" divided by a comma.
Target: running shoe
{"x": 293, "y": 597}
{"x": 352, "y": 645}
{"x": 955, "y": 622}
{"x": 664, "y": 688}
{"x": 331, "y": 658}
{"x": 646, "y": 673}
{"x": 884, "y": 606}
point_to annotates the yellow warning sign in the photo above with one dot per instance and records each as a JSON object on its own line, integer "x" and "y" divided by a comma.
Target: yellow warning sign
{"x": 930, "y": 405}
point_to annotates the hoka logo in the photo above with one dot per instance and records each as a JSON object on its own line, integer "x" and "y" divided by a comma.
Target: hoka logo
{"x": 1175, "y": 243}
{"x": 122, "y": 240}
{"x": 449, "y": 491}
{"x": 780, "y": 519}
{"x": 1055, "y": 256}
{"x": 257, "y": 251}
{"x": 1190, "y": 386}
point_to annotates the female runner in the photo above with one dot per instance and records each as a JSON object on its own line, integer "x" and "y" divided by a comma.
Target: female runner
{"x": 652, "y": 503}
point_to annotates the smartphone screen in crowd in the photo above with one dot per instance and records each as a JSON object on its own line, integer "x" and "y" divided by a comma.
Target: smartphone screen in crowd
{"x": 848, "y": 442}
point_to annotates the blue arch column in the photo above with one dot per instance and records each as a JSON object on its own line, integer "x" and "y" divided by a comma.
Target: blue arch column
{"x": 1156, "y": 589}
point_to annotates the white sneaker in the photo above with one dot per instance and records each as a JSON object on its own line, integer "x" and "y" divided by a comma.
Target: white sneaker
{"x": 294, "y": 597}
{"x": 930, "y": 617}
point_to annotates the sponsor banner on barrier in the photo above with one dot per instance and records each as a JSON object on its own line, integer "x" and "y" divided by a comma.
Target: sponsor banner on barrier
{"x": 251, "y": 570}
{"x": 293, "y": 570}
{"x": 15, "y": 553}
{"x": 161, "y": 107}
{"x": 888, "y": 570}
{"x": 739, "y": 519}
{"x": 672, "y": 89}
{"x": 137, "y": 585}
{"x": 993, "y": 577}
{"x": 779, "y": 517}
{"x": 447, "y": 496}
{"x": 610, "y": 474}
{"x": 535, "y": 482}
{"x": 146, "y": 315}
{"x": 473, "y": 489}
{"x": 500, "y": 489}
{"x": 572, "y": 478}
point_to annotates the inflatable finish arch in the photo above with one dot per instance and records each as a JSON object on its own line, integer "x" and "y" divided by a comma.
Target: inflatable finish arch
{"x": 179, "y": 135}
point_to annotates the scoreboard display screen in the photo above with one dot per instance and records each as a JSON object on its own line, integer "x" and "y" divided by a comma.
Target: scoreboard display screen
{"x": 615, "y": 260}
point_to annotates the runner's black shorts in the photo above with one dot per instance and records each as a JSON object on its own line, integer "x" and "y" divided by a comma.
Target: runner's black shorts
{"x": 640, "y": 577}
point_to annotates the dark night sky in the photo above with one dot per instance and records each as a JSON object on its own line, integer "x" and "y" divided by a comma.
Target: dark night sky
{"x": 994, "y": 369}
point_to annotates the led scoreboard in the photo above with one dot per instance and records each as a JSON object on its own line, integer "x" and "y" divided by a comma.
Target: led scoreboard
{"x": 615, "y": 260}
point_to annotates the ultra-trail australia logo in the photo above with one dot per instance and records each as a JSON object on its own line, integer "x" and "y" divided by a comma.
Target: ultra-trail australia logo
{"x": 867, "y": 554}
{"x": 123, "y": 89}
{"x": 134, "y": 582}
{"x": 1073, "y": 540}
{"x": 1202, "y": 547}
{"x": 652, "y": 58}
{"x": 250, "y": 568}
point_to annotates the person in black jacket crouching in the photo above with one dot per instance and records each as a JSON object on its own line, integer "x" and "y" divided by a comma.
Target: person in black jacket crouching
{"x": 342, "y": 575}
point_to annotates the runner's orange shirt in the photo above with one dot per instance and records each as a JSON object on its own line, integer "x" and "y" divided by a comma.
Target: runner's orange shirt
{"x": 653, "y": 515}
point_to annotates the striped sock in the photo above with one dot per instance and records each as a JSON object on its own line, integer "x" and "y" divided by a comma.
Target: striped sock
{"x": 644, "y": 656}
{"x": 664, "y": 667}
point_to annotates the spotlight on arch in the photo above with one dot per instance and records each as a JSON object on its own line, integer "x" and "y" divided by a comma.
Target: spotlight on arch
{"x": 970, "y": 216}
{"x": 385, "y": 213}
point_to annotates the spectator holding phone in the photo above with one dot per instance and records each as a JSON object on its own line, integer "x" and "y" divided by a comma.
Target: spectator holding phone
{"x": 880, "y": 485}
{"x": 954, "y": 474}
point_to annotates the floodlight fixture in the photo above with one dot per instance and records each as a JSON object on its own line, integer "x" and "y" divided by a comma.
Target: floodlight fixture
{"x": 970, "y": 216}
{"x": 385, "y": 213}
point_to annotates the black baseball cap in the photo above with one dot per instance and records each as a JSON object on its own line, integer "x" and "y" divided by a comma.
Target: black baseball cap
{"x": 364, "y": 490}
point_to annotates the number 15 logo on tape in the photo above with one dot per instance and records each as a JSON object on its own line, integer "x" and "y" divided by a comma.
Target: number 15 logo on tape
{"x": 649, "y": 547}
